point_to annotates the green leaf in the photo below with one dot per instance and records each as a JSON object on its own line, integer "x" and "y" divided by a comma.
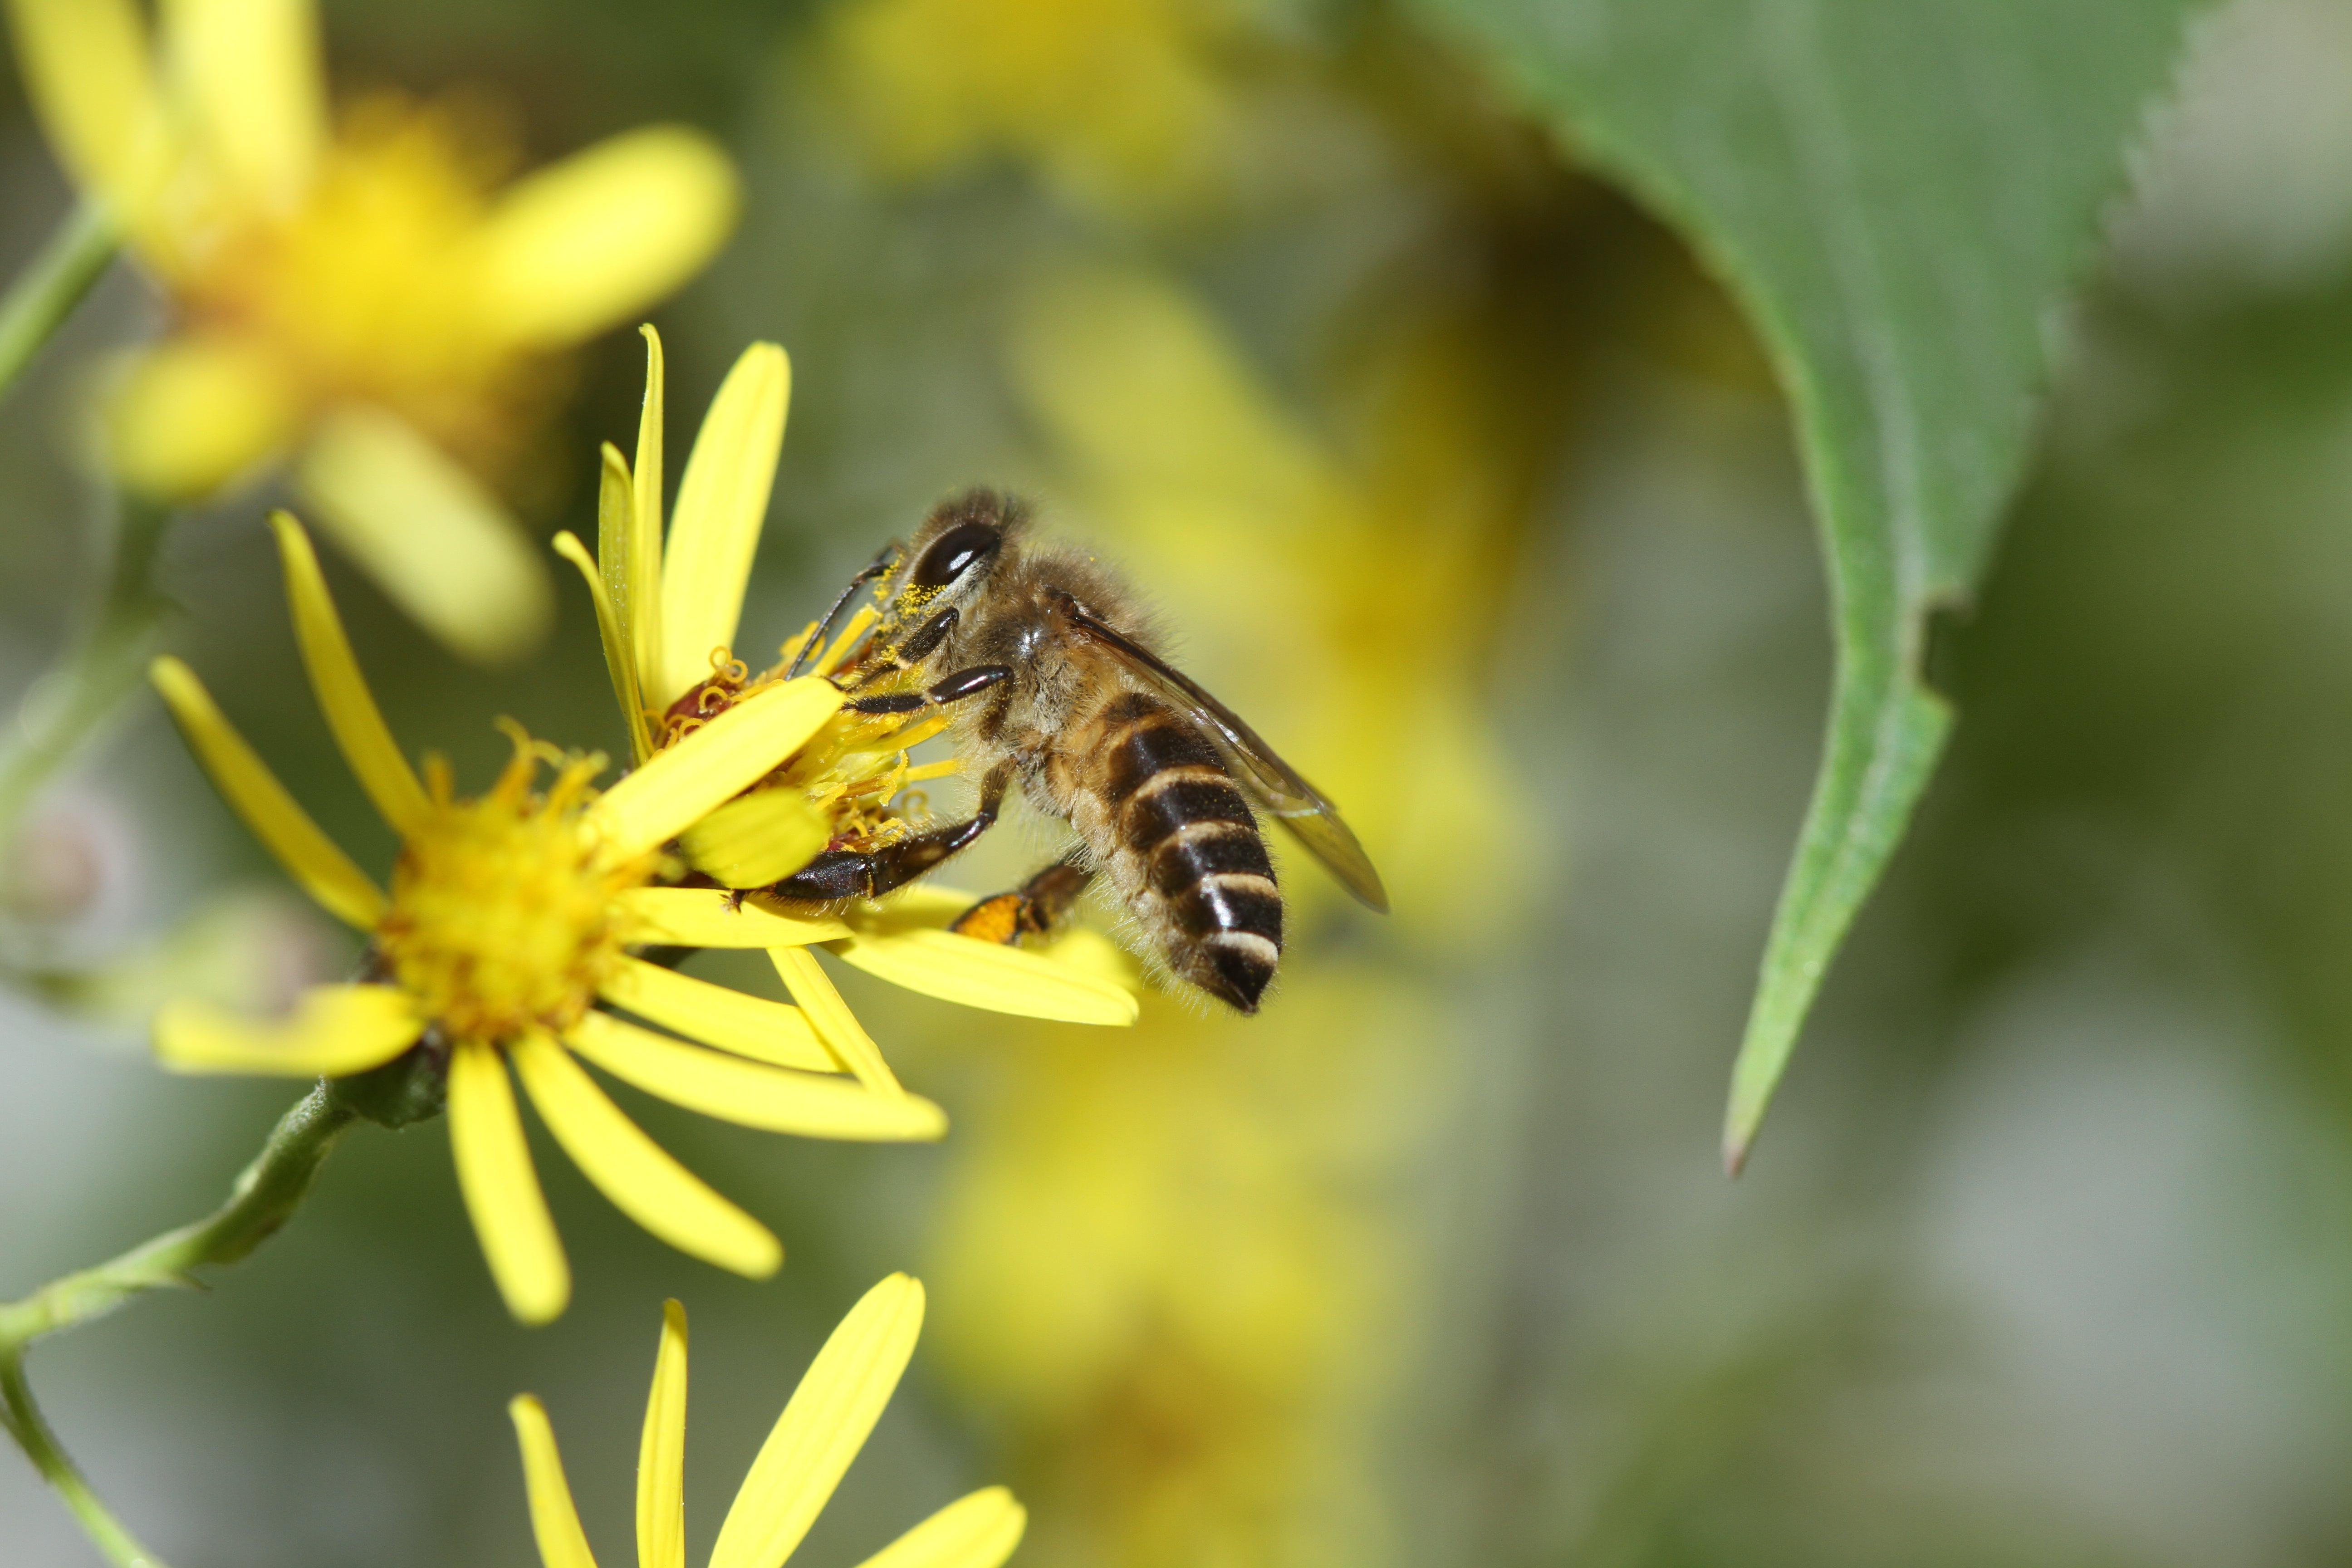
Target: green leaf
{"x": 1898, "y": 192}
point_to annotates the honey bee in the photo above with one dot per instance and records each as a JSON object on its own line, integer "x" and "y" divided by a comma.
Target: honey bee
{"x": 1037, "y": 655}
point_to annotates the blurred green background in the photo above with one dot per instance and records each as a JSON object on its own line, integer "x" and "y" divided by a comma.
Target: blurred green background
{"x": 1456, "y": 475}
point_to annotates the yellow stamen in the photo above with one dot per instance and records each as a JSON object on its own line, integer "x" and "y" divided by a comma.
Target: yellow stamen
{"x": 505, "y": 919}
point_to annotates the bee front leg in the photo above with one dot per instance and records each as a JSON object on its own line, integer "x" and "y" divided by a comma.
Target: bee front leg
{"x": 870, "y": 873}
{"x": 949, "y": 688}
{"x": 1037, "y": 906}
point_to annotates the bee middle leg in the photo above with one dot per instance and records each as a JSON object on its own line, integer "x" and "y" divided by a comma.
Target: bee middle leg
{"x": 870, "y": 873}
{"x": 1036, "y": 907}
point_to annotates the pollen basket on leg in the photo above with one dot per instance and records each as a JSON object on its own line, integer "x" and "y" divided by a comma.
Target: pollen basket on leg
{"x": 504, "y": 918}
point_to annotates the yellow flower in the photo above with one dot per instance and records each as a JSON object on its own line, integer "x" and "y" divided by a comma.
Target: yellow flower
{"x": 508, "y": 917}
{"x": 362, "y": 294}
{"x": 804, "y": 1459}
{"x": 1124, "y": 104}
{"x": 667, "y": 611}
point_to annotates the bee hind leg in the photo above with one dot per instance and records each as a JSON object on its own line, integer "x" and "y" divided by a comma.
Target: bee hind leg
{"x": 1036, "y": 907}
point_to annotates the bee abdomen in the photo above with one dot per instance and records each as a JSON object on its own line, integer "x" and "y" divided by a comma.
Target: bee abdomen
{"x": 1193, "y": 853}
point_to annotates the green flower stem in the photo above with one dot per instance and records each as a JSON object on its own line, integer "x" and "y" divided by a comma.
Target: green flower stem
{"x": 264, "y": 1198}
{"x": 47, "y": 292}
{"x": 23, "y": 1419}
{"x": 73, "y": 701}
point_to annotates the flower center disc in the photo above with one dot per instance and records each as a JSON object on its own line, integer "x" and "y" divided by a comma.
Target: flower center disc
{"x": 503, "y": 919}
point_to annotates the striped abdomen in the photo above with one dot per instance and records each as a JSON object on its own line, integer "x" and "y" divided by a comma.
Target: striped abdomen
{"x": 1184, "y": 848}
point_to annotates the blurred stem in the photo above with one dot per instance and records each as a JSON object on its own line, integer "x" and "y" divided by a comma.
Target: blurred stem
{"x": 263, "y": 1198}
{"x": 72, "y": 701}
{"x": 47, "y": 292}
{"x": 23, "y": 1419}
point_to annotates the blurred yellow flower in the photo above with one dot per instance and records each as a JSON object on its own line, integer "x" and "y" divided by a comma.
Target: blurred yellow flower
{"x": 361, "y": 294}
{"x": 508, "y": 917}
{"x": 1125, "y": 103}
{"x": 668, "y": 612}
{"x": 1180, "y": 1274}
{"x": 810, "y": 1449}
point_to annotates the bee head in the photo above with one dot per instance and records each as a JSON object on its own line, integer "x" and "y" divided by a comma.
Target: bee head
{"x": 956, "y": 546}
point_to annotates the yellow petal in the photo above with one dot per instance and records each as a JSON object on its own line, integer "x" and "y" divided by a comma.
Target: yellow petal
{"x": 672, "y": 792}
{"x": 251, "y": 72}
{"x": 975, "y": 1532}
{"x": 990, "y": 975}
{"x": 360, "y": 730}
{"x": 501, "y": 1190}
{"x": 638, "y": 1174}
{"x": 645, "y": 550}
{"x": 661, "y": 1452}
{"x": 752, "y": 1094}
{"x": 719, "y": 1016}
{"x": 757, "y": 839}
{"x": 722, "y": 502}
{"x": 617, "y": 668}
{"x": 429, "y": 535}
{"x": 193, "y": 413}
{"x": 253, "y": 792}
{"x": 823, "y": 1427}
{"x": 554, "y": 1520}
{"x": 705, "y": 917}
{"x": 1095, "y": 955}
{"x": 334, "y": 1030}
{"x": 835, "y": 1025}
{"x": 598, "y": 237}
{"x": 916, "y": 905}
{"x": 616, "y": 503}
{"x": 87, "y": 69}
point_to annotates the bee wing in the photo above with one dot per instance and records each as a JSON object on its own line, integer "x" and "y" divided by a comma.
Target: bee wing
{"x": 1273, "y": 783}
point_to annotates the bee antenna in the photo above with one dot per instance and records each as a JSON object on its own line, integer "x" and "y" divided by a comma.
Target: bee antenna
{"x": 881, "y": 565}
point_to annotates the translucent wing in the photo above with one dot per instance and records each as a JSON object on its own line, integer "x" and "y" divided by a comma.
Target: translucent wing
{"x": 1273, "y": 783}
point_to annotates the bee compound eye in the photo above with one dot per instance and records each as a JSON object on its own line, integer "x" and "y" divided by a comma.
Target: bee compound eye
{"x": 952, "y": 554}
